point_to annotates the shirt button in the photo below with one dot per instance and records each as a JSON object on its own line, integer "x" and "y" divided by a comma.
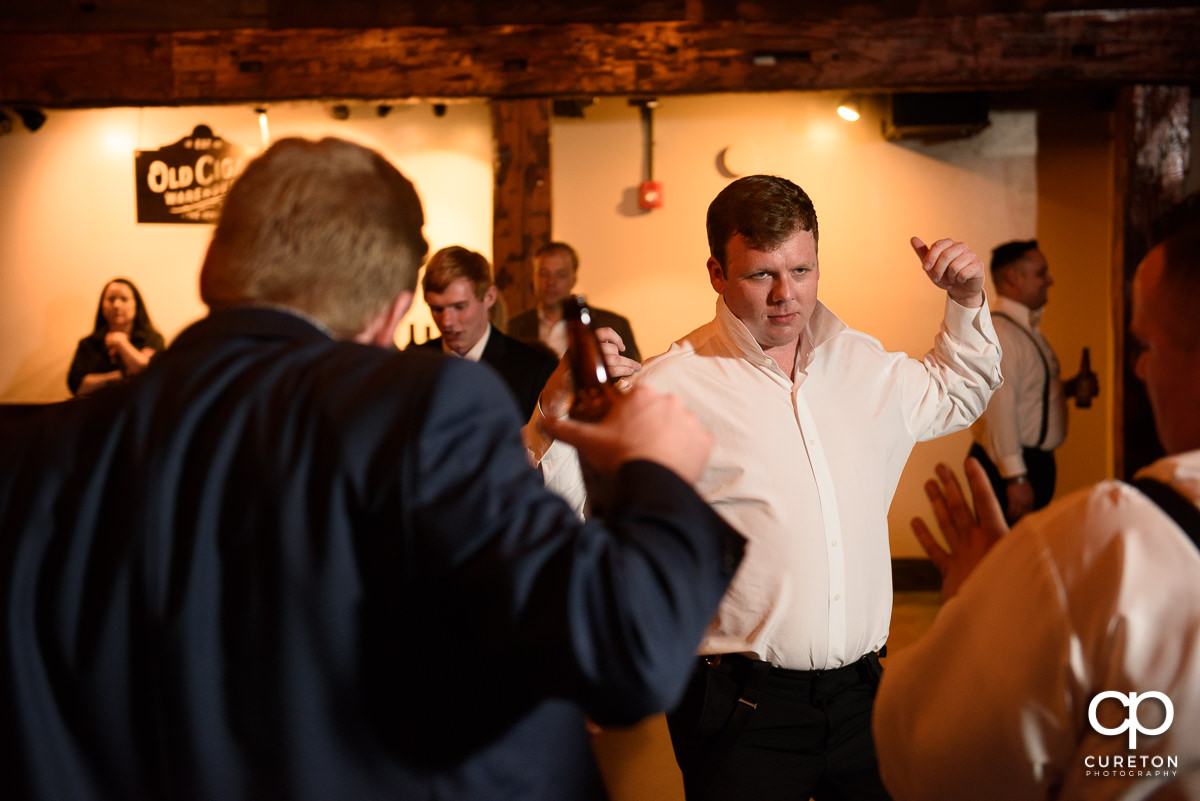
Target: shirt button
{"x": 837, "y": 596}
{"x": 833, "y": 544}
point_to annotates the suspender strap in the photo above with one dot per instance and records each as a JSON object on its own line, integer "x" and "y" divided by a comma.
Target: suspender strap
{"x": 1045, "y": 382}
{"x": 1179, "y": 508}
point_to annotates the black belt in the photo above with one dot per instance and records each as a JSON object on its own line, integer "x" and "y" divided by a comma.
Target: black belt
{"x": 866, "y": 666}
{"x": 751, "y": 676}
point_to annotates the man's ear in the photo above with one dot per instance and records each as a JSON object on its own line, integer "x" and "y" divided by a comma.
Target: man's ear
{"x": 489, "y": 297}
{"x": 1010, "y": 278}
{"x": 382, "y": 330}
{"x": 716, "y": 275}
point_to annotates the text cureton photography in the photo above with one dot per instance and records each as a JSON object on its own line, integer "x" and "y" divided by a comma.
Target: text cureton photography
{"x": 1131, "y": 765}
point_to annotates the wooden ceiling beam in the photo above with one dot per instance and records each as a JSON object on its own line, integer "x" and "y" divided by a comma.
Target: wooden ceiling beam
{"x": 997, "y": 52}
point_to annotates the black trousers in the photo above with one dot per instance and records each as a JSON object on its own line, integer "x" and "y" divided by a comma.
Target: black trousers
{"x": 1040, "y": 466}
{"x": 809, "y": 736}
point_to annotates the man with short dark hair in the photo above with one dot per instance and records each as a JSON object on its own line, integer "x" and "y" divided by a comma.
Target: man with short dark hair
{"x": 555, "y": 270}
{"x": 288, "y": 561}
{"x": 813, "y": 422}
{"x": 1026, "y": 420}
{"x": 1065, "y": 662}
{"x": 458, "y": 287}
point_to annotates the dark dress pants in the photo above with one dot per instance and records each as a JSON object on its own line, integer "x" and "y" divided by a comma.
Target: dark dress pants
{"x": 1039, "y": 466}
{"x": 809, "y": 736}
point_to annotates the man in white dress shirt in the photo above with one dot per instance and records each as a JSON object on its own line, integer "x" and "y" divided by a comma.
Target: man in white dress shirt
{"x": 1027, "y": 417}
{"x": 1067, "y": 665}
{"x": 813, "y": 423}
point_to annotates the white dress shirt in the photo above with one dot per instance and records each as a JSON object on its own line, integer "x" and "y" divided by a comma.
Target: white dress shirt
{"x": 1013, "y": 419}
{"x": 806, "y": 468}
{"x": 552, "y": 334}
{"x": 1098, "y": 592}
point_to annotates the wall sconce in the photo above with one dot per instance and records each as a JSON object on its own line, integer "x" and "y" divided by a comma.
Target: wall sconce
{"x": 263, "y": 128}
{"x": 341, "y": 112}
{"x": 849, "y": 109}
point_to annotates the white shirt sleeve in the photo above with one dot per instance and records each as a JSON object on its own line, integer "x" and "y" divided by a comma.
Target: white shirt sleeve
{"x": 558, "y": 462}
{"x": 961, "y": 372}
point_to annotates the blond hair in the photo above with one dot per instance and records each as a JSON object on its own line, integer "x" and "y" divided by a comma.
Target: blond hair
{"x": 449, "y": 264}
{"x": 328, "y": 228}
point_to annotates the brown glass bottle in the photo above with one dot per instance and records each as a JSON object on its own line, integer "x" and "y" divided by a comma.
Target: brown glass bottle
{"x": 1086, "y": 384}
{"x": 593, "y": 393}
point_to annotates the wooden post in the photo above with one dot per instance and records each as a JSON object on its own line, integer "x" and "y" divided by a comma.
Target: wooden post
{"x": 1152, "y": 153}
{"x": 521, "y": 213}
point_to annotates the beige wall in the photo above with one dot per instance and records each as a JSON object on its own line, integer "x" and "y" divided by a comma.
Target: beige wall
{"x": 871, "y": 196}
{"x": 68, "y": 215}
{"x": 1075, "y": 202}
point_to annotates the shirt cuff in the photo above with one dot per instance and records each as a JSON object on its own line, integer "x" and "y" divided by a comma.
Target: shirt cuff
{"x": 535, "y": 439}
{"x": 1011, "y": 466}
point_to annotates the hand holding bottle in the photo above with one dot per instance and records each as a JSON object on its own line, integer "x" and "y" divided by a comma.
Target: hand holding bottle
{"x": 556, "y": 397}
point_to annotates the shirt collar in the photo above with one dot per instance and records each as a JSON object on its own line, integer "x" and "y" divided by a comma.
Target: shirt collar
{"x": 822, "y": 326}
{"x": 476, "y": 351}
{"x": 267, "y": 322}
{"x": 1025, "y": 316}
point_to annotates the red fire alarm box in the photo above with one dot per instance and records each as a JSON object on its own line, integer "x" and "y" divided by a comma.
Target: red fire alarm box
{"x": 650, "y": 195}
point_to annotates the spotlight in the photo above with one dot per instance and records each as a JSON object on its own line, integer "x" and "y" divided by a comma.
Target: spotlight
{"x": 439, "y": 109}
{"x": 263, "y": 127}
{"x": 383, "y": 110}
{"x": 848, "y": 109}
{"x": 5, "y": 123}
{"x": 341, "y": 112}
{"x": 32, "y": 117}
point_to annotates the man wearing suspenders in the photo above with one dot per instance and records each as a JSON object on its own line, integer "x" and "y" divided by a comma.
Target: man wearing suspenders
{"x": 1026, "y": 418}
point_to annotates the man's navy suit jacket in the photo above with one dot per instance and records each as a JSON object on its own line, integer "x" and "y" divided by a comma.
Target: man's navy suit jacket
{"x": 524, "y": 368}
{"x": 275, "y": 566}
{"x": 524, "y": 327}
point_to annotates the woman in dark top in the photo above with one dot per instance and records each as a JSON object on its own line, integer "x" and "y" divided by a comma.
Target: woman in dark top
{"x": 122, "y": 343}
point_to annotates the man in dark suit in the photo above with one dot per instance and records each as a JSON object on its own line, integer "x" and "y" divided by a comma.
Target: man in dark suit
{"x": 555, "y": 268}
{"x": 459, "y": 290}
{"x": 284, "y": 563}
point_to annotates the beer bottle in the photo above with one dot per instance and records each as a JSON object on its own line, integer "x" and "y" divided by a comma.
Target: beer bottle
{"x": 593, "y": 393}
{"x": 1087, "y": 384}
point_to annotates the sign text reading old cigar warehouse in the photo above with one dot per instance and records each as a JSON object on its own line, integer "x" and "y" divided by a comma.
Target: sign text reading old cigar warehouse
{"x": 186, "y": 182}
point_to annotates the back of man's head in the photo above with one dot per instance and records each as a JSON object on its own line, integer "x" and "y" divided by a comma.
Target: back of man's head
{"x": 1180, "y": 250}
{"x": 327, "y": 228}
{"x": 1006, "y": 255}
{"x": 765, "y": 209}
{"x": 1166, "y": 294}
{"x": 449, "y": 264}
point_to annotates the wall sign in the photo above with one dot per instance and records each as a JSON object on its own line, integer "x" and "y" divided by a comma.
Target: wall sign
{"x": 186, "y": 182}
